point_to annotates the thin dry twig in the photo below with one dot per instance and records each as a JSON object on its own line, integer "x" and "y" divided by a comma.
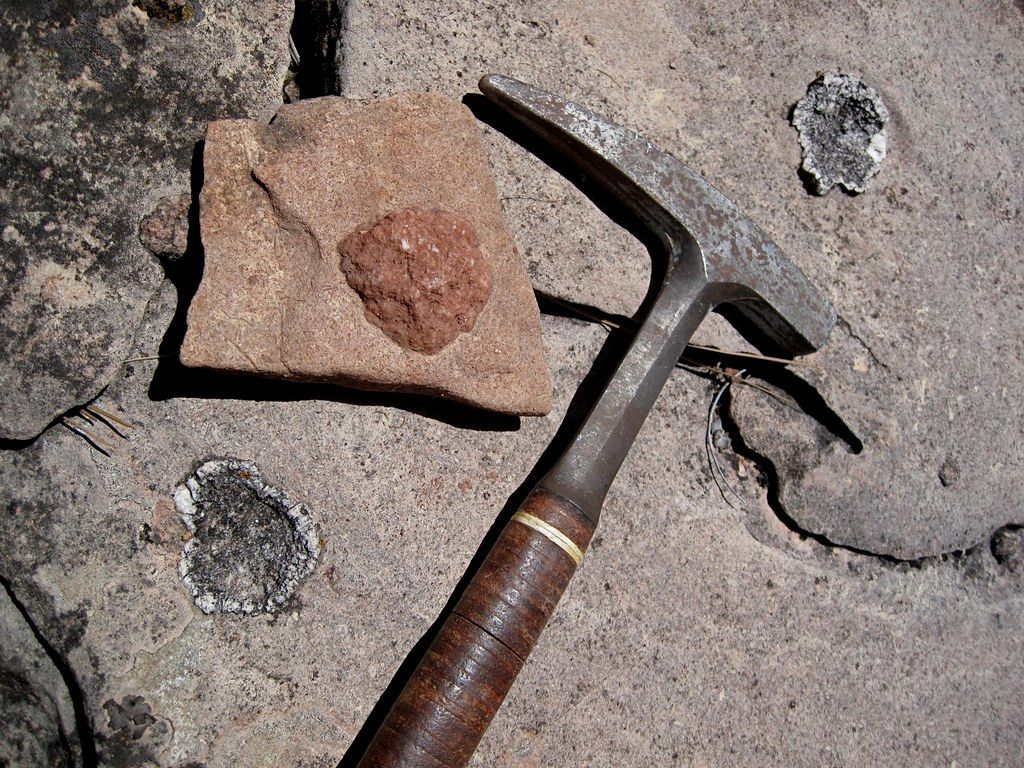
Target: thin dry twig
{"x": 583, "y": 312}
{"x": 756, "y": 356}
{"x": 551, "y": 200}
{"x": 608, "y": 76}
{"x": 717, "y": 473}
{"x": 723, "y": 373}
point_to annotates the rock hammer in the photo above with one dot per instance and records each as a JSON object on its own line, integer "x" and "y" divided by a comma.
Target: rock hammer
{"x": 716, "y": 255}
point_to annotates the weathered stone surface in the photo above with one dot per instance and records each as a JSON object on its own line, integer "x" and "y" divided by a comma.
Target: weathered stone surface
{"x": 1008, "y": 548}
{"x": 37, "y": 723}
{"x": 841, "y": 125}
{"x": 279, "y": 200}
{"x": 103, "y": 102}
{"x": 924, "y": 271}
{"x": 645, "y": 646}
{"x": 695, "y": 633}
{"x": 165, "y": 231}
{"x": 420, "y": 275}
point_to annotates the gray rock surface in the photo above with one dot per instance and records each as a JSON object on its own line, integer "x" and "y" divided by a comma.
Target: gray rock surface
{"x": 37, "y": 726}
{"x": 696, "y": 633}
{"x": 103, "y": 103}
{"x": 924, "y": 270}
{"x": 681, "y": 635}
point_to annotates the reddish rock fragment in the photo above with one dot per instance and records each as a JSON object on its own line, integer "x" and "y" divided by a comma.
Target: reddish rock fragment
{"x": 165, "y": 231}
{"x": 279, "y": 205}
{"x": 420, "y": 275}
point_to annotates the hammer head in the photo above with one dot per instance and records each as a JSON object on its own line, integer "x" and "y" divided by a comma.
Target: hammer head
{"x": 707, "y": 237}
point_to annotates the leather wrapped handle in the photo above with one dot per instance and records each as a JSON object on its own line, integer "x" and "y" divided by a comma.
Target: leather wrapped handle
{"x": 442, "y": 713}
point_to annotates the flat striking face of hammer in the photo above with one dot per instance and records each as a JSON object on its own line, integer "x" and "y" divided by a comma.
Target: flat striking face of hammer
{"x": 717, "y": 255}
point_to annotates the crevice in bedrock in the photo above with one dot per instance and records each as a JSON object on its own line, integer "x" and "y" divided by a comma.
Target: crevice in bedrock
{"x": 61, "y": 420}
{"x": 83, "y": 729}
{"x": 843, "y": 323}
{"x": 316, "y": 38}
{"x": 1000, "y": 552}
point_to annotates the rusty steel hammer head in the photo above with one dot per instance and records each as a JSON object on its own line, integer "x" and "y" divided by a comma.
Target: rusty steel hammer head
{"x": 700, "y": 227}
{"x": 717, "y": 255}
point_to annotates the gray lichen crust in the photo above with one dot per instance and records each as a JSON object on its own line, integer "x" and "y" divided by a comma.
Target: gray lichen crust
{"x": 251, "y": 546}
{"x": 103, "y": 102}
{"x": 841, "y": 125}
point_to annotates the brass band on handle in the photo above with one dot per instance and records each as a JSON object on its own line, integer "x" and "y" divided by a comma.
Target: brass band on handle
{"x": 549, "y": 531}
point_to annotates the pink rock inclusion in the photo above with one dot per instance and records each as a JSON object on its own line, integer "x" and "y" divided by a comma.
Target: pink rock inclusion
{"x": 421, "y": 275}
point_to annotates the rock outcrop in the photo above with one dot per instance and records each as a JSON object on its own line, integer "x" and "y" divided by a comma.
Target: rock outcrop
{"x": 103, "y": 102}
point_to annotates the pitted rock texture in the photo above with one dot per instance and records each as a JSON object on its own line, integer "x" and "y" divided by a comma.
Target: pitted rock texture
{"x": 278, "y": 201}
{"x": 841, "y": 125}
{"x": 1008, "y": 547}
{"x": 131, "y": 717}
{"x": 171, "y": 11}
{"x": 421, "y": 276}
{"x": 165, "y": 231}
{"x": 250, "y": 548}
{"x": 103, "y": 102}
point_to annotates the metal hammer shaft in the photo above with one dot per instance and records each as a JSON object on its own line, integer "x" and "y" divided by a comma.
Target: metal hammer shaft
{"x": 715, "y": 255}
{"x": 585, "y": 471}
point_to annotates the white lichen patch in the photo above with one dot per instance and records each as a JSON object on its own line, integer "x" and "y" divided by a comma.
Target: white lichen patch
{"x": 251, "y": 546}
{"x": 841, "y": 126}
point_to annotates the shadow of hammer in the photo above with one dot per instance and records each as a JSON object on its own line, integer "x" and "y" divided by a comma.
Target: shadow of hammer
{"x": 716, "y": 255}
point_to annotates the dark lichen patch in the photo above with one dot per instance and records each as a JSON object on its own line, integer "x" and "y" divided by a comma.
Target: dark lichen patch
{"x": 1007, "y": 545}
{"x": 134, "y": 737}
{"x": 172, "y": 11}
{"x": 841, "y": 126}
{"x": 250, "y": 548}
{"x": 131, "y": 717}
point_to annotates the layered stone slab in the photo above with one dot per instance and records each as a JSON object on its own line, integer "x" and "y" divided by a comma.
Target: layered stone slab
{"x": 280, "y": 200}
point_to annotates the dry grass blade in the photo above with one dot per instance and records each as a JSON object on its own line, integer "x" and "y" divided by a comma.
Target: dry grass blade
{"x": 582, "y": 311}
{"x": 717, "y": 473}
{"x": 100, "y": 445}
{"x": 756, "y": 356}
{"x": 550, "y": 200}
{"x": 94, "y": 417}
{"x": 108, "y": 416}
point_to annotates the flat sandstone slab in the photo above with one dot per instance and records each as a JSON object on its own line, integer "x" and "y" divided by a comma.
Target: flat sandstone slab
{"x": 280, "y": 200}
